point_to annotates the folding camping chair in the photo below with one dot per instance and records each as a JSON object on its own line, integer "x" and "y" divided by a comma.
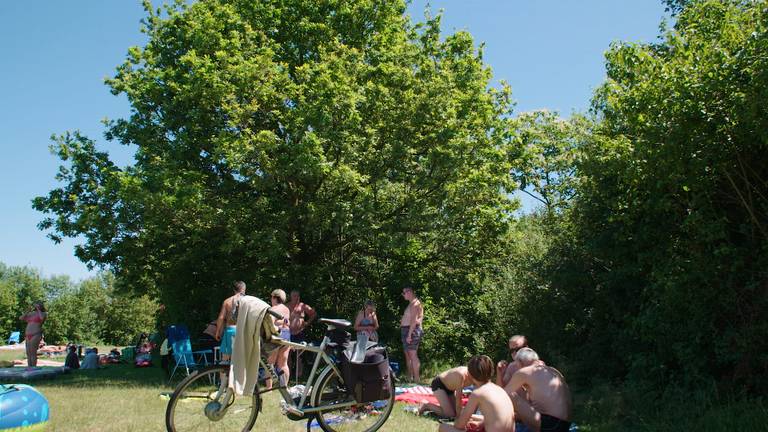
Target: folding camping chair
{"x": 14, "y": 338}
{"x": 180, "y": 345}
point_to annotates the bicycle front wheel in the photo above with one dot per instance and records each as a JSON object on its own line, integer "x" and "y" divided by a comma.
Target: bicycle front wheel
{"x": 202, "y": 402}
{"x": 360, "y": 417}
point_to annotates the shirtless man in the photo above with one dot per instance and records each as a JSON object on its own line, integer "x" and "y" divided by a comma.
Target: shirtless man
{"x": 548, "y": 408}
{"x": 504, "y": 370}
{"x": 411, "y": 333}
{"x": 490, "y": 399}
{"x": 301, "y": 317}
{"x": 226, "y": 323}
{"x": 448, "y": 388}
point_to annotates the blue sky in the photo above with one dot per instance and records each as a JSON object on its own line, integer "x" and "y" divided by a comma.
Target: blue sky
{"x": 56, "y": 55}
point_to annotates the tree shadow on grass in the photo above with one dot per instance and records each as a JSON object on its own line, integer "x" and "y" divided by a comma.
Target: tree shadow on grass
{"x": 114, "y": 375}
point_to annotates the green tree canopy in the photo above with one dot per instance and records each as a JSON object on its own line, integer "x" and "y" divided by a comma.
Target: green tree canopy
{"x": 328, "y": 146}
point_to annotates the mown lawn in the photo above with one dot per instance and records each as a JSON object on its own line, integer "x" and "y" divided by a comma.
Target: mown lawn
{"x": 124, "y": 398}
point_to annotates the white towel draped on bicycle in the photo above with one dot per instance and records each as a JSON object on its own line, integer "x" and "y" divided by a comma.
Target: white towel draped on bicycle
{"x": 246, "y": 352}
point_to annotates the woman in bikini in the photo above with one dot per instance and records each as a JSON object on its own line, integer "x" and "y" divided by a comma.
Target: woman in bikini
{"x": 34, "y": 332}
{"x": 367, "y": 322}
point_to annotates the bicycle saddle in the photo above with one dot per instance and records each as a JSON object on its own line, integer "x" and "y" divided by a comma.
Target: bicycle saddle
{"x": 335, "y": 323}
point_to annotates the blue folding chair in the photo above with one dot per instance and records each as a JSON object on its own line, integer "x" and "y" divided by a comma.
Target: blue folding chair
{"x": 180, "y": 345}
{"x": 15, "y": 338}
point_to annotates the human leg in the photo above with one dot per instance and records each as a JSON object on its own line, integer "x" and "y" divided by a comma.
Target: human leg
{"x": 32, "y": 342}
{"x": 526, "y": 413}
{"x": 282, "y": 363}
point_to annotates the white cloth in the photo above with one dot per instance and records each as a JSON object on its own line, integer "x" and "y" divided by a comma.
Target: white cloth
{"x": 90, "y": 361}
{"x": 246, "y": 352}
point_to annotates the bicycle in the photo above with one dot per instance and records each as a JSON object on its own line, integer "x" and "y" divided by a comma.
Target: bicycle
{"x": 204, "y": 401}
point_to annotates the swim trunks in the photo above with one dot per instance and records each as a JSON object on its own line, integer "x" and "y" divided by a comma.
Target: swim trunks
{"x": 437, "y": 384}
{"x": 415, "y": 338}
{"x": 554, "y": 424}
{"x": 285, "y": 334}
{"x": 227, "y": 340}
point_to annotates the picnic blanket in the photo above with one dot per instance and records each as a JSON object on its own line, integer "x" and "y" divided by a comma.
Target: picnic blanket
{"x": 22, "y": 374}
{"x": 419, "y": 394}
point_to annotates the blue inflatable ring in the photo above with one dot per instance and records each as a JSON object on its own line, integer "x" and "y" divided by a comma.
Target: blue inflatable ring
{"x": 22, "y": 408}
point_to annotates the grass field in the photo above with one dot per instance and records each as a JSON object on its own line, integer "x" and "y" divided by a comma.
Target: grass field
{"x": 124, "y": 398}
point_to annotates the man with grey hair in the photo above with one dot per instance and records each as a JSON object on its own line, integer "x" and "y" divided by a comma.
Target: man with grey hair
{"x": 548, "y": 407}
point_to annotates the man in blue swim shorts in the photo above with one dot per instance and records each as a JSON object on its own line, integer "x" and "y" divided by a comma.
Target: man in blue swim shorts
{"x": 226, "y": 323}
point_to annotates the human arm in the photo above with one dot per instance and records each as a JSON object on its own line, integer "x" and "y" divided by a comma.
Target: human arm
{"x": 359, "y": 318}
{"x": 375, "y": 320}
{"x": 310, "y": 314}
{"x": 501, "y": 370}
{"x": 220, "y": 320}
{"x": 464, "y": 415}
{"x": 457, "y": 395}
{"x": 516, "y": 382}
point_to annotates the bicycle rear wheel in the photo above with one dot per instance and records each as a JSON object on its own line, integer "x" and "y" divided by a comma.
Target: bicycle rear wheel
{"x": 201, "y": 402}
{"x": 360, "y": 417}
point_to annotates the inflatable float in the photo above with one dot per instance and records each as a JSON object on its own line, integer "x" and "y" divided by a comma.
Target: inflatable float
{"x": 22, "y": 409}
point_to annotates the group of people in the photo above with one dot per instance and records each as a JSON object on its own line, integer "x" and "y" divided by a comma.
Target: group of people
{"x": 526, "y": 391}
{"x": 297, "y": 318}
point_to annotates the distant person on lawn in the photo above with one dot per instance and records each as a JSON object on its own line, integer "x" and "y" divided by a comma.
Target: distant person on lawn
{"x": 411, "y": 333}
{"x": 498, "y": 414}
{"x": 504, "y": 369}
{"x": 279, "y": 356}
{"x": 33, "y": 335}
{"x": 226, "y": 323}
{"x": 366, "y": 322}
{"x": 72, "y": 361}
{"x": 548, "y": 404}
{"x": 448, "y": 388}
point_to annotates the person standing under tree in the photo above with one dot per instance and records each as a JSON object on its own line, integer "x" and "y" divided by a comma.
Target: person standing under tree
{"x": 301, "y": 317}
{"x": 411, "y": 333}
{"x": 226, "y": 323}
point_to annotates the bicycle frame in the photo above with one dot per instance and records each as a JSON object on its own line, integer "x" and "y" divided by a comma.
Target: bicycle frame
{"x": 320, "y": 355}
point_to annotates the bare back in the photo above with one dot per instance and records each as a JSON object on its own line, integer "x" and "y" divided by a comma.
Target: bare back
{"x": 496, "y": 407}
{"x": 456, "y": 378}
{"x": 547, "y": 390}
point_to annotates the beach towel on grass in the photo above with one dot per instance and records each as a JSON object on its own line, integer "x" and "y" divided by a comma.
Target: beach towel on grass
{"x": 419, "y": 394}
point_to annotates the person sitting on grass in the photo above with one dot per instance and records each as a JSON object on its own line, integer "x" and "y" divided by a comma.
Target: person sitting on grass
{"x": 498, "y": 413}
{"x": 72, "y": 361}
{"x": 548, "y": 404}
{"x": 447, "y": 388}
{"x": 91, "y": 359}
{"x": 505, "y": 370}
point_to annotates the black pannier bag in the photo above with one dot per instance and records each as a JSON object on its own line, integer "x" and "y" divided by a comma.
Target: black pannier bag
{"x": 371, "y": 380}
{"x": 339, "y": 337}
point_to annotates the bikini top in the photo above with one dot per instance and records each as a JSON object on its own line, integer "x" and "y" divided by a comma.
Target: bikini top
{"x": 36, "y": 318}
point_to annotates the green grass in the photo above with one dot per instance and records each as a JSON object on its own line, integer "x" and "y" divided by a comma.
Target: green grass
{"x": 124, "y": 398}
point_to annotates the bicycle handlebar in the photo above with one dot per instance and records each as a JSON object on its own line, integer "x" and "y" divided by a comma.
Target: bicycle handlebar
{"x": 275, "y": 314}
